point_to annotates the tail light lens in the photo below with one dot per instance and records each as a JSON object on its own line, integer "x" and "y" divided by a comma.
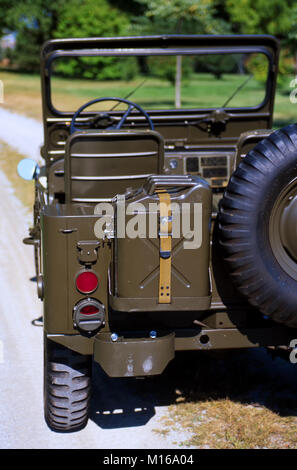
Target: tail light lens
{"x": 89, "y": 310}
{"x": 86, "y": 282}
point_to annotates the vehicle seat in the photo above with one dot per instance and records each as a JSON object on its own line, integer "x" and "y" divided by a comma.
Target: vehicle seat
{"x": 101, "y": 164}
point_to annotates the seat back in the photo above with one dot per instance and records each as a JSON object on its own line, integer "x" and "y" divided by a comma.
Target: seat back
{"x": 101, "y": 164}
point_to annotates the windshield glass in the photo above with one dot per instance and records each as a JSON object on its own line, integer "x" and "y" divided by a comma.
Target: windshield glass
{"x": 161, "y": 81}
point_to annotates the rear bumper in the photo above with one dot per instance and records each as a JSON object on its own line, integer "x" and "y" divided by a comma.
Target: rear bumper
{"x": 142, "y": 356}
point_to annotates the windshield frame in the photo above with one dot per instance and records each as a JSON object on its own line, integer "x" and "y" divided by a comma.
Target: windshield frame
{"x": 50, "y": 53}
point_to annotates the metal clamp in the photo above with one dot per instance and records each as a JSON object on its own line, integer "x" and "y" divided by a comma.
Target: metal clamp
{"x": 88, "y": 251}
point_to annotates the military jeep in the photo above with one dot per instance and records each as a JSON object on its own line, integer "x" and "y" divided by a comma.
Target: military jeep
{"x": 165, "y": 213}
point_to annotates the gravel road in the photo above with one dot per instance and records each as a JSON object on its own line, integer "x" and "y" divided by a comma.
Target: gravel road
{"x": 123, "y": 411}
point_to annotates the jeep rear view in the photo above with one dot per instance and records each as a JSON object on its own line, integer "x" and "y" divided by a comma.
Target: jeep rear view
{"x": 165, "y": 213}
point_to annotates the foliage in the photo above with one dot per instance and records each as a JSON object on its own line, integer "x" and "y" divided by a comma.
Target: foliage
{"x": 5, "y": 24}
{"x": 286, "y": 70}
{"x": 276, "y": 17}
{"x": 291, "y": 39}
{"x": 260, "y": 16}
{"x": 218, "y": 64}
{"x": 34, "y": 21}
{"x": 257, "y": 64}
{"x": 89, "y": 19}
{"x": 100, "y": 68}
{"x": 178, "y": 17}
{"x": 164, "y": 67}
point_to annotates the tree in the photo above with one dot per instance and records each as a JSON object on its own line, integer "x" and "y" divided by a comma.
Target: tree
{"x": 94, "y": 18}
{"x": 91, "y": 18}
{"x": 291, "y": 40}
{"x": 260, "y": 16}
{"x": 5, "y": 6}
{"x": 33, "y": 21}
{"x": 276, "y": 17}
{"x": 178, "y": 17}
{"x": 36, "y": 21}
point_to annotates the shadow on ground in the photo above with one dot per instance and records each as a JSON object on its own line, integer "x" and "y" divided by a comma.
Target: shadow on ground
{"x": 247, "y": 376}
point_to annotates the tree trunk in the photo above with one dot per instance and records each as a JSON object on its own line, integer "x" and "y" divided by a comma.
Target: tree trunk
{"x": 178, "y": 77}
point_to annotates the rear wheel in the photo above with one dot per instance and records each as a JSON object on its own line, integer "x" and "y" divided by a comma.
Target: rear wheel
{"x": 67, "y": 387}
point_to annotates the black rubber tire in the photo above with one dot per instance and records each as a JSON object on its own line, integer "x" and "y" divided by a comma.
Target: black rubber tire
{"x": 244, "y": 218}
{"x": 67, "y": 387}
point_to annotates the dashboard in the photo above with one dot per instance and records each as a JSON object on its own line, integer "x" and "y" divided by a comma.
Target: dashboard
{"x": 215, "y": 167}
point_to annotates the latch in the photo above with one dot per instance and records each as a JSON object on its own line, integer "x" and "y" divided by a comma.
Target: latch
{"x": 88, "y": 251}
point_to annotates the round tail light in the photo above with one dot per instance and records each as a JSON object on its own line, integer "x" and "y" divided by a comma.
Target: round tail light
{"x": 89, "y": 310}
{"x": 86, "y": 282}
{"x": 89, "y": 316}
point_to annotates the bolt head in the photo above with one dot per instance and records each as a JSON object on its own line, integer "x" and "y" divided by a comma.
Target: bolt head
{"x": 173, "y": 164}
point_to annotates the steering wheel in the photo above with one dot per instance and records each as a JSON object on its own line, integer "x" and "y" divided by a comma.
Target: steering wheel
{"x": 106, "y": 115}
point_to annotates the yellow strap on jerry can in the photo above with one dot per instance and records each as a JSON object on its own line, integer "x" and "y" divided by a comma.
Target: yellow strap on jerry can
{"x": 165, "y": 234}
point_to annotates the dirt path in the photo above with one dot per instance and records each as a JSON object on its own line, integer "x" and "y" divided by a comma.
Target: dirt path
{"x": 23, "y": 134}
{"x": 114, "y": 422}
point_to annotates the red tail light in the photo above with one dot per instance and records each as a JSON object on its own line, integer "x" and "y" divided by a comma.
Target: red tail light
{"x": 89, "y": 310}
{"x": 87, "y": 282}
{"x": 88, "y": 316}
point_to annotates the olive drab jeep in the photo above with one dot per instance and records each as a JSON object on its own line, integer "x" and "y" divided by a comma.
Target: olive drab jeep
{"x": 168, "y": 218}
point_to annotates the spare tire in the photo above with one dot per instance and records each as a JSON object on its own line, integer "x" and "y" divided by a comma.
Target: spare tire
{"x": 258, "y": 226}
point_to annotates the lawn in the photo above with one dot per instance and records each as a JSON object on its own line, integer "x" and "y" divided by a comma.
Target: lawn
{"x": 22, "y": 94}
{"x": 203, "y": 90}
{"x": 233, "y": 399}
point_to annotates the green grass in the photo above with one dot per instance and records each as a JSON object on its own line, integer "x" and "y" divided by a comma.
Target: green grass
{"x": 285, "y": 112}
{"x": 22, "y": 94}
{"x": 203, "y": 90}
{"x": 232, "y": 399}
